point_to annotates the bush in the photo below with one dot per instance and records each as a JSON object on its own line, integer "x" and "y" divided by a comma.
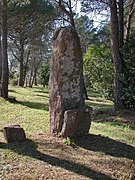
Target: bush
{"x": 44, "y": 74}
{"x": 98, "y": 69}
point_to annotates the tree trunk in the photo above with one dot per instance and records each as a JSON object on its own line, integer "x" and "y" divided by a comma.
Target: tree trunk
{"x": 118, "y": 85}
{"x": 26, "y": 81}
{"x": 34, "y": 77}
{"x": 0, "y": 48}
{"x": 36, "y": 84}
{"x": 25, "y": 66}
{"x": 121, "y": 23}
{"x": 30, "y": 77}
{"x": 21, "y": 68}
{"x": 85, "y": 93}
{"x": 5, "y": 71}
{"x": 0, "y": 58}
{"x": 130, "y": 13}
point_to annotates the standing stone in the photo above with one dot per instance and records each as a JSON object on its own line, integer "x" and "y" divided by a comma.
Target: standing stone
{"x": 66, "y": 86}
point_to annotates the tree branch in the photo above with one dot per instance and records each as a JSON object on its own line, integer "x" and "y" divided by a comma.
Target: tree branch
{"x": 14, "y": 41}
{"x": 15, "y": 55}
{"x": 62, "y": 7}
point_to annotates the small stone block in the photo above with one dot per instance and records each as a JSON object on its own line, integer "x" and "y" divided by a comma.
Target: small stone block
{"x": 76, "y": 122}
{"x": 14, "y": 133}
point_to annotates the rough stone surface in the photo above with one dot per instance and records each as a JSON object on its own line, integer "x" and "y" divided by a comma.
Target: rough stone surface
{"x": 14, "y": 133}
{"x": 76, "y": 122}
{"x": 66, "y": 78}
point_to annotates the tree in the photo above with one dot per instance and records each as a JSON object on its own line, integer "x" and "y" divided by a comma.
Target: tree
{"x": 44, "y": 74}
{"x": 98, "y": 69}
{"x": 118, "y": 12}
{"x": 129, "y": 72}
{"x": 4, "y": 75}
{"x": 34, "y": 64}
{"x": 0, "y": 55}
{"x": 34, "y": 19}
{"x": 117, "y": 59}
{"x": 118, "y": 41}
{"x": 86, "y": 31}
{"x": 66, "y": 10}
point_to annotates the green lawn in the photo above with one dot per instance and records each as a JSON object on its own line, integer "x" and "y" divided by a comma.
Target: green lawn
{"x": 30, "y": 111}
{"x": 107, "y": 153}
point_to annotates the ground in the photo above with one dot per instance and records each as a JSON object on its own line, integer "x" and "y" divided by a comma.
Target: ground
{"x": 108, "y": 152}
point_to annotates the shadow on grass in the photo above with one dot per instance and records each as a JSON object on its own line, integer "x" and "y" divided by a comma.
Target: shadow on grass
{"x": 10, "y": 90}
{"x": 99, "y": 105}
{"x": 41, "y": 91}
{"x": 29, "y": 148}
{"x": 115, "y": 118}
{"x": 115, "y": 123}
{"x": 39, "y": 95}
{"x": 106, "y": 145}
{"x": 13, "y": 91}
{"x": 34, "y": 105}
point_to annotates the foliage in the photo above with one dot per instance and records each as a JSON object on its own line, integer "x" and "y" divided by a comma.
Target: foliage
{"x": 90, "y": 6}
{"x": 30, "y": 19}
{"x": 121, "y": 21}
{"x": 103, "y": 35}
{"x": 96, "y": 7}
{"x": 42, "y": 6}
{"x": 29, "y": 30}
{"x": 44, "y": 74}
{"x": 68, "y": 141}
{"x": 86, "y": 31}
{"x": 98, "y": 69}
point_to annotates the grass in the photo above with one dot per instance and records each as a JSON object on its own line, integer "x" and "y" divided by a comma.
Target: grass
{"x": 30, "y": 111}
{"x": 108, "y": 152}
